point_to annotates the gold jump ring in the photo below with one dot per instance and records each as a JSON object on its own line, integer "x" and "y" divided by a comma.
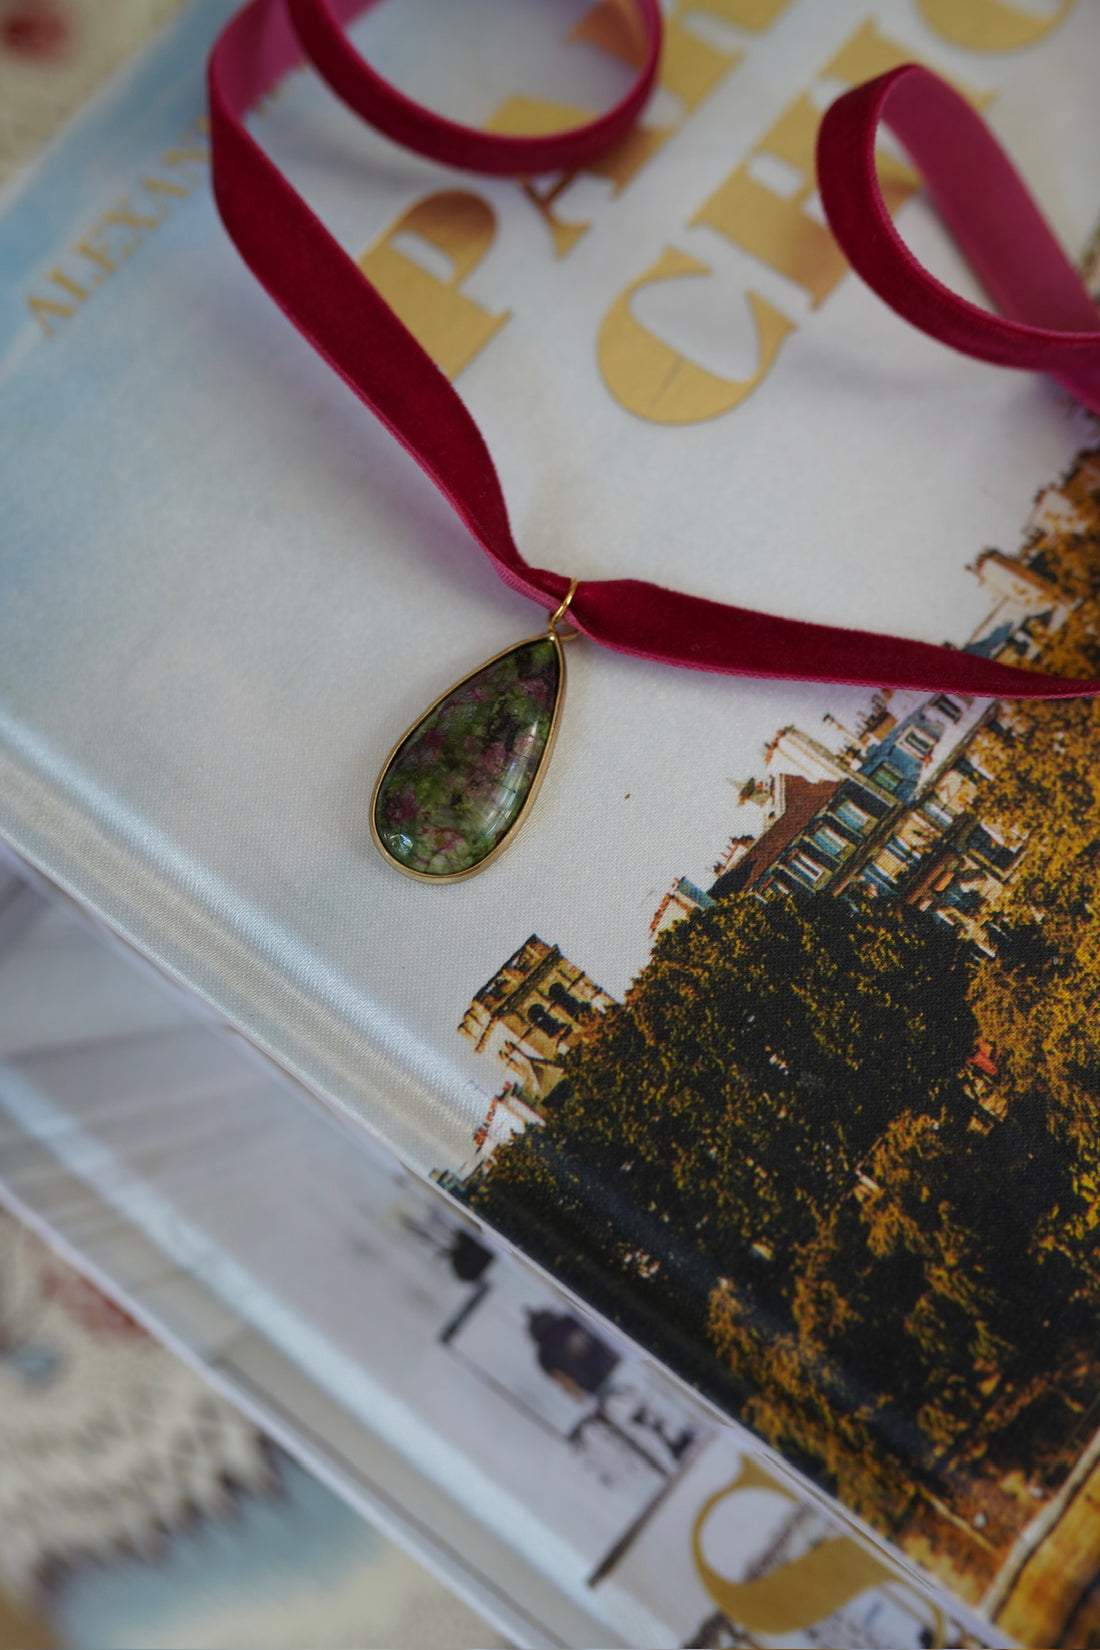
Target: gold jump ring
{"x": 561, "y": 611}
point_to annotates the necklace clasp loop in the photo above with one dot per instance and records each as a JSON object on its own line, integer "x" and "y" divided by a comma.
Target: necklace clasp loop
{"x": 560, "y": 612}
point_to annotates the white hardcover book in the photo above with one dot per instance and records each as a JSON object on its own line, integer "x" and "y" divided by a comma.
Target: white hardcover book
{"x": 770, "y": 1036}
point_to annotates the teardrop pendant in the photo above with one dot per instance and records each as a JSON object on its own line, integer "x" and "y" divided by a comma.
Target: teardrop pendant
{"x": 459, "y": 784}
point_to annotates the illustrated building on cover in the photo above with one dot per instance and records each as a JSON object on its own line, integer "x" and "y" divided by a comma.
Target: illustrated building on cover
{"x": 532, "y": 1011}
{"x": 681, "y": 900}
{"x": 907, "y": 808}
{"x": 900, "y": 811}
{"x": 904, "y": 822}
{"x": 509, "y": 1113}
{"x": 897, "y": 813}
{"x": 793, "y": 803}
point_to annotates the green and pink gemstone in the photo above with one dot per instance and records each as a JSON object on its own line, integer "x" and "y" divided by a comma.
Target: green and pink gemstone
{"x": 459, "y": 781}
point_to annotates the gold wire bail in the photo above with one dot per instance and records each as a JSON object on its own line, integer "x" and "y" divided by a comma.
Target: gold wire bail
{"x": 560, "y": 613}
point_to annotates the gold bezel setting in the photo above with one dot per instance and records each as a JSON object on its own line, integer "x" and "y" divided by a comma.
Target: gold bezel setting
{"x": 551, "y": 634}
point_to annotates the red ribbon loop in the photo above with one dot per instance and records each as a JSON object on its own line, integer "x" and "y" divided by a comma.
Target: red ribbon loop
{"x": 327, "y": 297}
{"x": 318, "y": 24}
{"x": 1049, "y": 323}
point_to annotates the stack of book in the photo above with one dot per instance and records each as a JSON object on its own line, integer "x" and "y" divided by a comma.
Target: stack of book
{"x": 716, "y": 1244}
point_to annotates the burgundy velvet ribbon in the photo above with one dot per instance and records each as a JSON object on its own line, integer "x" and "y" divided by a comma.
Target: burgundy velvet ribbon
{"x": 1048, "y": 321}
{"x": 1049, "y": 324}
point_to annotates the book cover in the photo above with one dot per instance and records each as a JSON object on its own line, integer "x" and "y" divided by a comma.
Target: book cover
{"x": 776, "y": 1024}
{"x": 526, "y": 1450}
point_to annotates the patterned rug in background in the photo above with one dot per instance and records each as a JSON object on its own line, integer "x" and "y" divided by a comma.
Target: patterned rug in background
{"x": 139, "y": 1508}
{"x": 53, "y": 56}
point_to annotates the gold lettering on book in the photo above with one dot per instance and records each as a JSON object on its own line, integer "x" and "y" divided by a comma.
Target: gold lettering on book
{"x": 657, "y": 381}
{"x": 185, "y": 157}
{"x": 451, "y": 326}
{"x": 806, "y": 1589}
{"x": 692, "y": 66}
{"x": 123, "y": 216}
{"x": 46, "y": 310}
{"x": 105, "y": 248}
{"x": 531, "y": 116}
{"x": 165, "y": 186}
{"x": 770, "y": 217}
{"x": 116, "y": 234}
{"x": 990, "y": 25}
{"x": 755, "y": 15}
{"x": 775, "y": 226}
{"x": 92, "y": 249}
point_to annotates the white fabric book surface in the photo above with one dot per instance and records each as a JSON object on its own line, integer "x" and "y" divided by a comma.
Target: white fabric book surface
{"x": 224, "y": 592}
